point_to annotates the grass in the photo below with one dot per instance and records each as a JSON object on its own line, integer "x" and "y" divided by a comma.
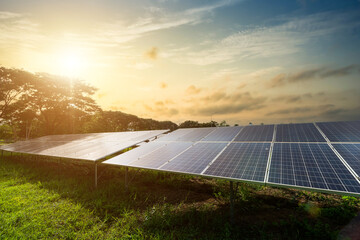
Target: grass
{"x": 46, "y": 198}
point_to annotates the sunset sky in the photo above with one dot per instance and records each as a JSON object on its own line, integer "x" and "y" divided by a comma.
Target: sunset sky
{"x": 239, "y": 61}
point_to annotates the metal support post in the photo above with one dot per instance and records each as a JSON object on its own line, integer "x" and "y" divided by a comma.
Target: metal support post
{"x": 126, "y": 179}
{"x": 232, "y": 203}
{"x": 96, "y": 178}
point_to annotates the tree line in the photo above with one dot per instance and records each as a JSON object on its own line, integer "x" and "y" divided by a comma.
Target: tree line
{"x": 38, "y": 104}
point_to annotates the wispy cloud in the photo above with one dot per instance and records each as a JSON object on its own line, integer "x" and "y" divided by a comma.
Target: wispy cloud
{"x": 192, "y": 90}
{"x": 261, "y": 42}
{"x": 20, "y": 28}
{"x": 221, "y": 102}
{"x": 17, "y": 30}
{"x": 311, "y": 74}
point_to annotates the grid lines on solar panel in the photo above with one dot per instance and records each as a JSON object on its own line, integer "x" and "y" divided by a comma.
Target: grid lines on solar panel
{"x": 92, "y": 146}
{"x": 245, "y": 161}
{"x": 196, "y": 135}
{"x": 196, "y": 158}
{"x": 135, "y": 154}
{"x": 341, "y": 131}
{"x": 303, "y": 132}
{"x": 172, "y": 136}
{"x": 222, "y": 134}
{"x": 260, "y": 133}
{"x": 351, "y": 154}
{"x": 158, "y": 157}
{"x": 310, "y": 165}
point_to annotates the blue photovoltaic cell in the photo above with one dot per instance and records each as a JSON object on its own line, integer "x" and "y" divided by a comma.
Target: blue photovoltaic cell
{"x": 310, "y": 165}
{"x": 260, "y": 133}
{"x": 244, "y": 161}
{"x": 90, "y": 146}
{"x": 160, "y": 156}
{"x": 351, "y": 154}
{"x": 196, "y": 135}
{"x": 222, "y": 134}
{"x": 303, "y": 132}
{"x": 173, "y": 136}
{"x": 135, "y": 154}
{"x": 341, "y": 131}
{"x": 196, "y": 158}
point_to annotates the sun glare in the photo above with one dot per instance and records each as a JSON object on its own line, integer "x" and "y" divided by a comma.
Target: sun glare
{"x": 71, "y": 62}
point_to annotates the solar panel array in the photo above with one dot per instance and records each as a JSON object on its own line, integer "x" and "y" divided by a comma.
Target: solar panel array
{"x": 321, "y": 156}
{"x": 92, "y": 146}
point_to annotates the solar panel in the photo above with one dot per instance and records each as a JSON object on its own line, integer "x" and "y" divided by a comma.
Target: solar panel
{"x": 244, "y": 161}
{"x": 303, "y": 132}
{"x": 222, "y": 134}
{"x": 160, "y": 156}
{"x": 172, "y": 136}
{"x": 135, "y": 154}
{"x": 81, "y": 146}
{"x": 310, "y": 165}
{"x": 196, "y": 135}
{"x": 261, "y": 133}
{"x": 351, "y": 154}
{"x": 341, "y": 131}
{"x": 196, "y": 158}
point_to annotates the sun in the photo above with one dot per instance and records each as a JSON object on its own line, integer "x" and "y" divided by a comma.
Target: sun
{"x": 71, "y": 62}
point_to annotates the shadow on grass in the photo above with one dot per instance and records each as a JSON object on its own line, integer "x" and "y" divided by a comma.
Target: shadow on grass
{"x": 174, "y": 206}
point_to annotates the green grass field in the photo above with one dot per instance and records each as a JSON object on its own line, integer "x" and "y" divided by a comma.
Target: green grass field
{"x": 44, "y": 198}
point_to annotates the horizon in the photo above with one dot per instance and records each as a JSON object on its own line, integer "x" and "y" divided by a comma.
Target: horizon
{"x": 240, "y": 61}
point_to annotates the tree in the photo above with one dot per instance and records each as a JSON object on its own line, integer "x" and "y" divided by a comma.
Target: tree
{"x": 61, "y": 103}
{"x": 14, "y": 85}
{"x": 114, "y": 121}
{"x": 196, "y": 124}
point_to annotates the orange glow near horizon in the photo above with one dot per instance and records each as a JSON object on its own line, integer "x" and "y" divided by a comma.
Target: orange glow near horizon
{"x": 167, "y": 60}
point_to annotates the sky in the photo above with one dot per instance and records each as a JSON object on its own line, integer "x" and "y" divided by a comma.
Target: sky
{"x": 235, "y": 60}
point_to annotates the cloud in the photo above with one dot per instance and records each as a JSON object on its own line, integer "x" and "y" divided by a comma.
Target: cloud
{"x": 311, "y": 74}
{"x": 163, "y": 85}
{"x": 152, "y": 53}
{"x": 18, "y": 32}
{"x": 191, "y": 90}
{"x": 278, "y": 80}
{"x": 221, "y": 102}
{"x": 9, "y": 15}
{"x": 301, "y": 110}
{"x": 304, "y": 75}
{"x": 339, "y": 72}
{"x": 288, "y": 37}
{"x": 288, "y": 99}
{"x": 160, "y": 109}
{"x": 19, "y": 29}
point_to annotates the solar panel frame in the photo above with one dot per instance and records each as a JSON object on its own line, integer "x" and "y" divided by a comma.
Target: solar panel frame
{"x": 255, "y": 133}
{"x": 222, "y": 134}
{"x": 205, "y": 153}
{"x": 173, "y": 136}
{"x": 135, "y": 154}
{"x": 341, "y": 131}
{"x": 299, "y": 132}
{"x": 350, "y": 156}
{"x": 157, "y": 158}
{"x": 232, "y": 170}
{"x": 321, "y": 171}
{"x": 91, "y": 149}
{"x": 196, "y": 134}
